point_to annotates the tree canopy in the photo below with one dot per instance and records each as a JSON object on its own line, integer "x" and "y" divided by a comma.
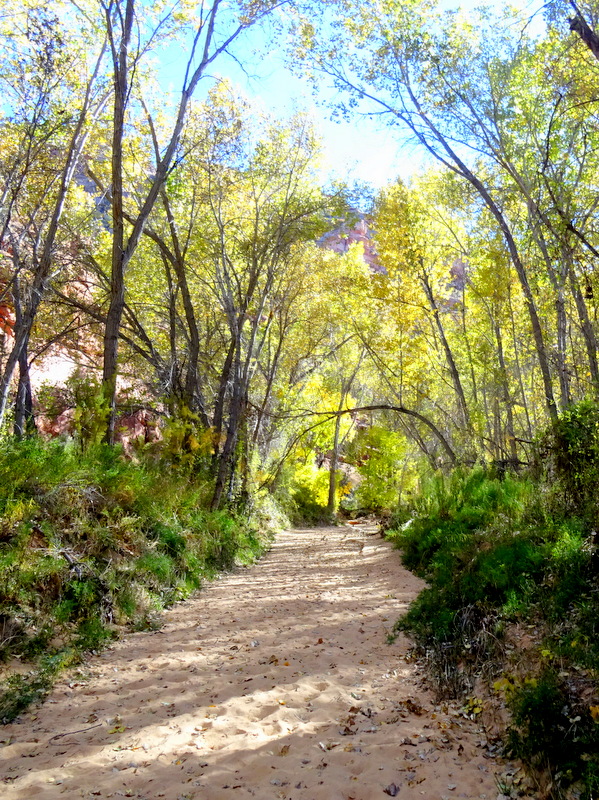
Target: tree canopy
{"x": 188, "y": 257}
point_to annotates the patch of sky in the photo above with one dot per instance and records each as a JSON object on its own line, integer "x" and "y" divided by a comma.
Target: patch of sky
{"x": 358, "y": 149}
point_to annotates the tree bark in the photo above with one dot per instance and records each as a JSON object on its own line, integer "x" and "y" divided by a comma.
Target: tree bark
{"x": 123, "y": 252}
{"x": 332, "y": 497}
{"x": 579, "y": 25}
{"x": 453, "y": 370}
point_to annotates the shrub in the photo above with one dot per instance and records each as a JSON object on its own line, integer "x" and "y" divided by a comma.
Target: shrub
{"x": 494, "y": 551}
{"x": 568, "y": 457}
{"x": 302, "y": 492}
{"x": 379, "y": 455}
{"x": 553, "y": 730}
{"x": 87, "y": 539}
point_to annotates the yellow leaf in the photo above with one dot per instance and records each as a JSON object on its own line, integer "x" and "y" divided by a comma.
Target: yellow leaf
{"x": 594, "y": 713}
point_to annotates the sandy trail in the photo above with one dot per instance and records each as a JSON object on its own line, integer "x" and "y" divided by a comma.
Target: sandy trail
{"x": 274, "y": 682}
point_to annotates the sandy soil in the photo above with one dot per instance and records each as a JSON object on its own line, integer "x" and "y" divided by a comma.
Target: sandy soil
{"x": 274, "y": 682}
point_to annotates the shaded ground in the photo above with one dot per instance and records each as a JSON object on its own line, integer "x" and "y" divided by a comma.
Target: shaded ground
{"x": 275, "y": 682}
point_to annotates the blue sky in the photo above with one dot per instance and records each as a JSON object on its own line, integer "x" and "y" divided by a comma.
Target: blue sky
{"x": 360, "y": 149}
{"x": 357, "y": 150}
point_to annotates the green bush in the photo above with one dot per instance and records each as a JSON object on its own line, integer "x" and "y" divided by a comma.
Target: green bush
{"x": 568, "y": 459}
{"x": 90, "y": 538}
{"x": 302, "y": 493}
{"x": 450, "y": 509}
{"x": 495, "y": 551}
{"x": 379, "y": 456}
{"x": 20, "y": 691}
{"x": 464, "y": 541}
{"x": 551, "y": 729}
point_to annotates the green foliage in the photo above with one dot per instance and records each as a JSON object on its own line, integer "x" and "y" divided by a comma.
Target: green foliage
{"x": 89, "y": 539}
{"x": 20, "y": 691}
{"x": 463, "y": 540}
{"x": 552, "y": 729}
{"x": 450, "y": 510}
{"x": 569, "y": 457}
{"x": 497, "y": 551}
{"x": 302, "y": 492}
{"x": 378, "y": 455}
{"x": 478, "y": 540}
{"x": 91, "y": 408}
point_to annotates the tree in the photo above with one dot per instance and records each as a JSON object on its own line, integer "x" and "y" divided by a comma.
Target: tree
{"x": 53, "y": 95}
{"x": 218, "y": 28}
{"x": 435, "y": 81}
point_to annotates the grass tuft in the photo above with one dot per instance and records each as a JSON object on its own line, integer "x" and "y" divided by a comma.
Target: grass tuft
{"x": 93, "y": 540}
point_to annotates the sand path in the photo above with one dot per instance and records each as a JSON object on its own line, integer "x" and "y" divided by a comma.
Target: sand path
{"x": 274, "y": 682}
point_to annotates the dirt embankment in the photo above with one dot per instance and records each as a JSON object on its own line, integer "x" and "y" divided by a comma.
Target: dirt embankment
{"x": 274, "y": 682}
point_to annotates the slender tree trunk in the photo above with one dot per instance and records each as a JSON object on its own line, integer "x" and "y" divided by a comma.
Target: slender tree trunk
{"x": 268, "y": 390}
{"x": 332, "y": 499}
{"x": 228, "y": 456}
{"x": 557, "y": 278}
{"x": 174, "y": 376}
{"x": 24, "y": 423}
{"x": 511, "y": 436}
{"x": 192, "y": 389}
{"x": 23, "y": 415}
{"x": 459, "y": 166}
{"x": 122, "y": 251}
{"x": 223, "y": 386}
{"x": 120, "y": 57}
{"x": 43, "y": 265}
{"x": 586, "y": 325}
{"x": 518, "y": 367}
{"x": 453, "y": 370}
{"x": 345, "y": 390}
{"x": 562, "y": 348}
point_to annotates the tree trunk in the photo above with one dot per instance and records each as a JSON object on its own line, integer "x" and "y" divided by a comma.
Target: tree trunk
{"x": 332, "y": 499}
{"x": 192, "y": 391}
{"x": 586, "y": 325}
{"x": 511, "y": 436}
{"x": 458, "y": 166}
{"x": 228, "y": 456}
{"x": 518, "y": 367}
{"x": 120, "y": 57}
{"x": 453, "y": 370}
{"x": 24, "y": 424}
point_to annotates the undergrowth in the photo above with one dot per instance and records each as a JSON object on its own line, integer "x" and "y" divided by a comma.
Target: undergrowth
{"x": 517, "y": 553}
{"x": 93, "y": 541}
